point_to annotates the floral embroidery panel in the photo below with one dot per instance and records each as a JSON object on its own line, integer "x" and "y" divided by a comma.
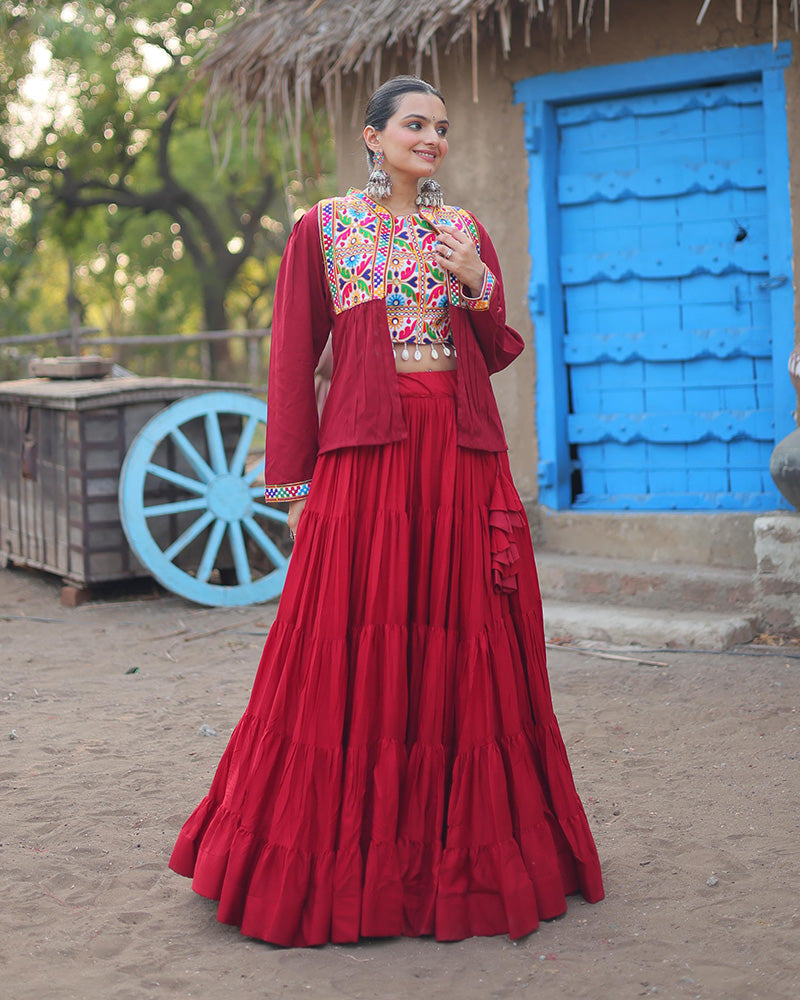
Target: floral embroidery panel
{"x": 416, "y": 289}
{"x": 371, "y": 255}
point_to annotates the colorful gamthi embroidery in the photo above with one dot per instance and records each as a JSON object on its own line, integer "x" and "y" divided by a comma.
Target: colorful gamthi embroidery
{"x": 369, "y": 254}
{"x": 292, "y": 491}
{"x": 416, "y": 287}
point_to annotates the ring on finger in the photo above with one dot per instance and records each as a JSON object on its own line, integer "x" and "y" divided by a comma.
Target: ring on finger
{"x": 449, "y": 253}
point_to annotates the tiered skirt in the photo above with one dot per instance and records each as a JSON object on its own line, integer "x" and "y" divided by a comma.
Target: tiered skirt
{"x": 399, "y": 769}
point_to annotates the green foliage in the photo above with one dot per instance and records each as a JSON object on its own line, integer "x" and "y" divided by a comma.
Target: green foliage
{"x": 119, "y": 206}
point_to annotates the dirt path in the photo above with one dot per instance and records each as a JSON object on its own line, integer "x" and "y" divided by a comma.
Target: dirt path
{"x": 689, "y": 773}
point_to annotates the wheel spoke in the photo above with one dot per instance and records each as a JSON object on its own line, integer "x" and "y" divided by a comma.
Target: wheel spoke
{"x": 216, "y": 446}
{"x": 278, "y": 516}
{"x": 188, "y": 536}
{"x": 191, "y": 499}
{"x": 191, "y": 485}
{"x": 193, "y": 456}
{"x": 177, "y": 507}
{"x": 239, "y": 553}
{"x": 258, "y": 469}
{"x": 263, "y": 541}
{"x": 215, "y": 537}
{"x": 243, "y": 446}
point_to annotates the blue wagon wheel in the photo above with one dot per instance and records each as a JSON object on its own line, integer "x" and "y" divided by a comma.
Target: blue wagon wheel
{"x": 191, "y": 503}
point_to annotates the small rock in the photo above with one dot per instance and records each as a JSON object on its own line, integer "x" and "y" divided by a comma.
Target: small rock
{"x": 206, "y": 730}
{"x": 712, "y": 881}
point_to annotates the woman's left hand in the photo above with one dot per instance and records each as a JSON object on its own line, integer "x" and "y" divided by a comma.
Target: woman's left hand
{"x": 456, "y": 253}
{"x": 293, "y": 517}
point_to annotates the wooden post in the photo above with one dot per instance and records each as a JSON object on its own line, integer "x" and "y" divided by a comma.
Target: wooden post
{"x": 206, "y": 360}
{"x": 73, "y": 306}
{"x": 253, "y": 360}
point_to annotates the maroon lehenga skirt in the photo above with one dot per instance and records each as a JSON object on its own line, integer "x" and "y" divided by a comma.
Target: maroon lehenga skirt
{"x": 399, "y": 769}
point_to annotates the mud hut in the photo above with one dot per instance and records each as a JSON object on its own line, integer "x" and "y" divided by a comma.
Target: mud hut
{"x": 637, "y": 165}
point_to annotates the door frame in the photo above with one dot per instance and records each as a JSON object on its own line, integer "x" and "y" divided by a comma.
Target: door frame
{"x": 541, "y": 95}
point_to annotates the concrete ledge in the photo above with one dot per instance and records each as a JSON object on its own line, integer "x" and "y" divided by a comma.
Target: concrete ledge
{"x": 717, "y": 538}
{"x": 635, "y": 583}
{"x": 777, "y": 550}
{"x": 636, "y": 627}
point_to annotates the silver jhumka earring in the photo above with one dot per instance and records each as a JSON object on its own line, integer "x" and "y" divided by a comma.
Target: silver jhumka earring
{"x": 379, "y": 183}
{"x": 430, "y": 194}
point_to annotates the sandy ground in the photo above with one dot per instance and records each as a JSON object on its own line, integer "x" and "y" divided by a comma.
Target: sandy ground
{"x": 689, "y": 773}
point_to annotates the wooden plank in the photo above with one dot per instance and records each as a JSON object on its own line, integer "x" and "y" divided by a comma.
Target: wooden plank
{"x": 42, "y": 338}
{"x": 669, "y": 345}
{"x": 552, "y": 394}
{"x": 659, "y": 73}
{"x": 678, "y": 501}
{"x": 731, "y": 216}
{"x": 682, "y": 138}
{"x": 79, "y": 395}
{"x": 677, "y": 426}
{"x": 610, "y": 469}
{"x": 203, "y": 336}
{"x": 660, "y": 104}
{"x": 781, "y": 294}
{"x": 667, "y": 262}
{"x": 660, "y": 181}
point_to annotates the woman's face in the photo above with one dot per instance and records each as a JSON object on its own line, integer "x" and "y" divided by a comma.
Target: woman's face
{"x": 414, "y": 141}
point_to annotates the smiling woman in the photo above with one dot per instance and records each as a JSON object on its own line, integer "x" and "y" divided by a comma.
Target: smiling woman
{"x": 409, "y": 132}
{"x": 399, "y": 768}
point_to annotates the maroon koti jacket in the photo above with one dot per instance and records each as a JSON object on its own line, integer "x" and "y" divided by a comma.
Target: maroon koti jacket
{"x": 363, "y": 404}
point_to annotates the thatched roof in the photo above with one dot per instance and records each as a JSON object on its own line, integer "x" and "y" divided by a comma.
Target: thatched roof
{"x": 278, "y": 52}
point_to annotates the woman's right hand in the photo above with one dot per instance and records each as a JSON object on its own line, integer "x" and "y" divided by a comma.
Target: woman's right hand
{"x": 295, "y": 512}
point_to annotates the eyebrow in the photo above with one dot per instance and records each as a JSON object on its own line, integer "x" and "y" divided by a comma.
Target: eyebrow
{"x": 425, "y": 118}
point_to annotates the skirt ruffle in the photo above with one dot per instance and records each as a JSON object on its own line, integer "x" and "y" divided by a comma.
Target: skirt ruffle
{"x": 399, "y": 769}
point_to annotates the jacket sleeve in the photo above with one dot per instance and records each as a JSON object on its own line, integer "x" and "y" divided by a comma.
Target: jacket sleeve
{"x": 301, "y": 322}
{"x": 499, "y": 343}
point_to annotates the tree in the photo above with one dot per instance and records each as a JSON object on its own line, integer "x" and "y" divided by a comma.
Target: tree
{"x": 106, "y": 164}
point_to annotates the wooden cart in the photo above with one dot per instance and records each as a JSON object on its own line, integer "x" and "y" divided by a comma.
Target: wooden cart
{"x": 112, "y": 478}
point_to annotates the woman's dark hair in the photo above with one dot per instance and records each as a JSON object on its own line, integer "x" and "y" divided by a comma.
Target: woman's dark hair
{"x": 383, "y": 103}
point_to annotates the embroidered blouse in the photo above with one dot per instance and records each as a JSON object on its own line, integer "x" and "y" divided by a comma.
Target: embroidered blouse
{"x": 353, "y": 270}
{"x": 417, "y": 307}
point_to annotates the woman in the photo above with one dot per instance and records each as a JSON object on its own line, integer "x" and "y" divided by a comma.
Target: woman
{"x": 398, "y": 769}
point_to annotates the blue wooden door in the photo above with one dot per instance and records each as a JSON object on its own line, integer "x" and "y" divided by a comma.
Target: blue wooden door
{"x": 665, "y": 271}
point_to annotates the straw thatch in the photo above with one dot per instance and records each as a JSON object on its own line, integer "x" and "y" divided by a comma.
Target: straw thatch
{"x": 279, "y": 52}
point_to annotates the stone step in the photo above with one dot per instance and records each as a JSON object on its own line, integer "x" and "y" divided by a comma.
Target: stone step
{"x": 633, "y": 583}
{"x": 718, "y": 538}
{"x": 622, "y": 626}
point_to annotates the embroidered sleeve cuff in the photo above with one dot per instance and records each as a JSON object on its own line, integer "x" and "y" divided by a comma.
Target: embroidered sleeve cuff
{"x": 481, "y": 301}
{"x": 286, "y": 492}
